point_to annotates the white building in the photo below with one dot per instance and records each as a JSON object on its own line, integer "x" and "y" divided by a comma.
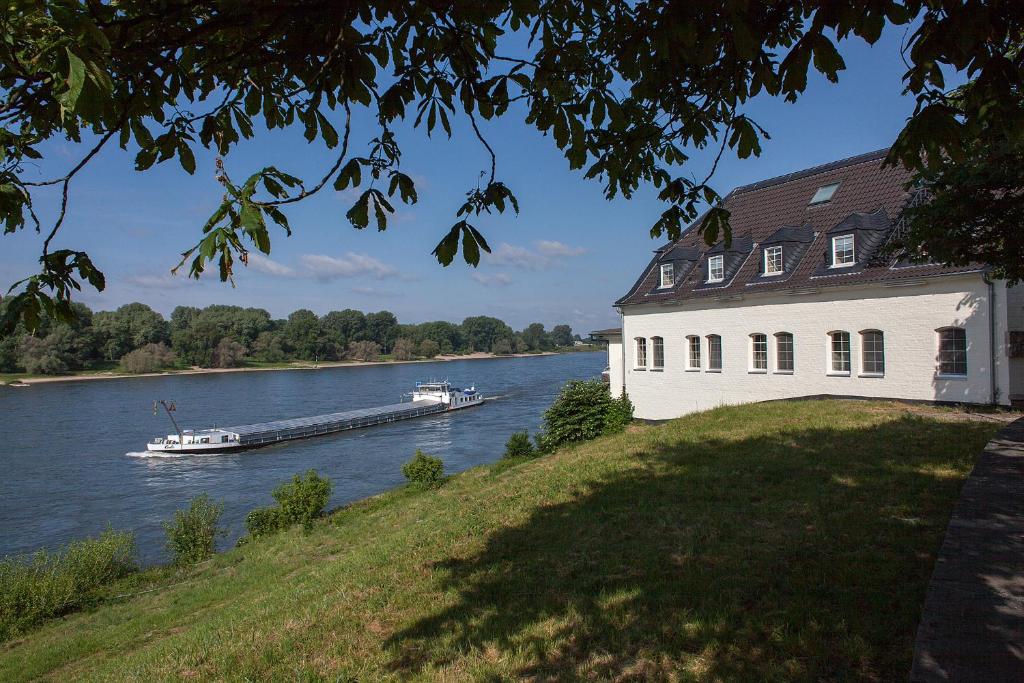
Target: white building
{"x": 804, "y": 303}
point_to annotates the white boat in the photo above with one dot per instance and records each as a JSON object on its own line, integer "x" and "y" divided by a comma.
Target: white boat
{"x": 454, "y": 397}
{"x": 428, "y": 398}
{"x": 196, "y": 441}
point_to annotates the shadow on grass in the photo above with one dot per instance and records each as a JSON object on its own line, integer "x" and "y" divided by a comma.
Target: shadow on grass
{"x": 800, "y": 555}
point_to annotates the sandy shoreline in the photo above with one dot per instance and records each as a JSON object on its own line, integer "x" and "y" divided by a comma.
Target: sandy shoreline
{"x": 320, "y": 366}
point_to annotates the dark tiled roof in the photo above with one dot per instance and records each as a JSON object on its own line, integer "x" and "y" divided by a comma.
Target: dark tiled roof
{"x": 869, "y": 201}
{"x": 610, "y": 332}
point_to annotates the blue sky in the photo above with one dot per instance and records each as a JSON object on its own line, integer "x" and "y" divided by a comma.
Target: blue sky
{"x": 564, "y": 259}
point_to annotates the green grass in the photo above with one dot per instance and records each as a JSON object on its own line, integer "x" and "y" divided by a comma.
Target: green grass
{"x": 785, "y": 541}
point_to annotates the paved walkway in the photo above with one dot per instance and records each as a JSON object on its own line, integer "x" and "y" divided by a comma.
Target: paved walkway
{"x": 972, "y": 626}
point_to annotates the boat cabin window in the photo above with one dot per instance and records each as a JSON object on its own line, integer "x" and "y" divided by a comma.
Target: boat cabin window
{"x": 224, "y": 439}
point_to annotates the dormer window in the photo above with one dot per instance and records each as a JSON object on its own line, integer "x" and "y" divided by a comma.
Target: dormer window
{"x": 666, "y": 275}
{"x": 773, "y": 260}
{"x": 824, "y": 194}
{"x": 716, "y": 268}
{"x": 842, "y": 251}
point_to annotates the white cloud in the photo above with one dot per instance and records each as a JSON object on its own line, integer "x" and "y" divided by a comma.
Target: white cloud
{"x": 372, "y": 291}
{"x": 261, "y": 264}
{"x": 492, "y": 279}
{"x": 350, "y": 264}
{"x": 546, "y": 255}
{"x": 159, "y": 281}
{"x": 555, "y": 249}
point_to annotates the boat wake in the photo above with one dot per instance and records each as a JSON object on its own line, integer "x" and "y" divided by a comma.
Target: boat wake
{"x": 170, "y": 456}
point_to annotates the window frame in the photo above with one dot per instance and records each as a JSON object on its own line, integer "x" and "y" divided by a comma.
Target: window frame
{"x": 779, "y": 354}
{"x": 717, "y": 339}
{"x": 939, "y": 351}
{"x": 826, "y": 200}
{"x": 866, "y": 347}
{"x": 758, "y": 365}
{"x": 639, "y": 353}
{"x": 853, "y": 251}
{"x": 721, "y": 259}
{"x": 831, "y": 354}
{"x": 693, "y": 360}
{"x": 782, "y": 265}
{"x": 670, "y": 267}
{"x": 657, "y": 345}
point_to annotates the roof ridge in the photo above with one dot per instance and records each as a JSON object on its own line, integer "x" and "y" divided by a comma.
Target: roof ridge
{"x": 814, "y": 170}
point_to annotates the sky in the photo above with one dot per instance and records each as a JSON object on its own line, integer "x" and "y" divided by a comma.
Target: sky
{"x": 566, "y": 257}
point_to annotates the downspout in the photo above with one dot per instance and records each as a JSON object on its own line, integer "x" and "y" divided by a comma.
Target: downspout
{"x": 622, "y": 326}
{"x": 994, "y": 388}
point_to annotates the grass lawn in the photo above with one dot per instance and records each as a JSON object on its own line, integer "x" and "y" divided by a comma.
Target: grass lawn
{"x": 784, "y": 541}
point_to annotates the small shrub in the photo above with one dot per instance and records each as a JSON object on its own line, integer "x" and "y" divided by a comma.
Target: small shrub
{"x": 299, "y": 501}
{"x": 303, "y": 499}
{"x": 423, "y": 470}
{"x": 192, "y": 534}
{"x": 519, "y": 446}
{"x": 45, "y": 585}
{"x": 263, "y": 522}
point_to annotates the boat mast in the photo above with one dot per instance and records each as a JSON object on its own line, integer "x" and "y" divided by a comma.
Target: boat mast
{"x": 170, "y": 409}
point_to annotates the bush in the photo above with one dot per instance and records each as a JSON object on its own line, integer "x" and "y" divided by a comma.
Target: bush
{"x": 300, "y": 501}
{"x": 44, "y": 585}
{"x": 619, "y": 415}
{"x": 583, "y": 411}
{"x": 363, "y": 350}
{"x": 429, "y": 348}
{"x": 519, "y": 446}
{"x": 149, "y": 358}
{"x": 192, "y": 534}
{"x": 303, "y": 499}
{"x": 403, "y": 349}
{"x": 423, "y": 470}
{"x": 228, "y": 354}
{"x": 263, "y": 522}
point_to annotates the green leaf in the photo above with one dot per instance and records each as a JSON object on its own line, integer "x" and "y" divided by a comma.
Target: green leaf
{"x": 75, "y": 80}
{"x": 327, "y": 131}
{"x": 470, "y": 249}
{"x": 449, "y": 245}
{"x": 359, "y": 214}
{"x": 351, "y": 174}
{"x": 187, "y": 159}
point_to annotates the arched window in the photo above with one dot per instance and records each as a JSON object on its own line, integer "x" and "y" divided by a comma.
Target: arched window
{"x": 839, "y": 353}
{"x": 952, "y": 351}
{"x": 783, "y": 352}
{"x": 714, "y": 353}
{"x": 759, "y": 352}
{"x": 693, "y": 352}
{"x": 641, "y": 353}
{"x": 872, "y": 352}
{"x": 658, "y": 349}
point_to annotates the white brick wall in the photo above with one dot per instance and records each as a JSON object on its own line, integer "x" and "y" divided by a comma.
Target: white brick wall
{"x": 908, "y": 316}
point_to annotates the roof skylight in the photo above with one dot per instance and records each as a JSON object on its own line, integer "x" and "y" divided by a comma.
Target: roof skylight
{"x": 824, "y": 194}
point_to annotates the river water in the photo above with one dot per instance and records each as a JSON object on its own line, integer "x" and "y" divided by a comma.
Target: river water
{"x": 73, "y": 454}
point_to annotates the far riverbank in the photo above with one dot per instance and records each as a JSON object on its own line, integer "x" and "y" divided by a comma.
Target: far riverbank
{"x": 296, "y": 365}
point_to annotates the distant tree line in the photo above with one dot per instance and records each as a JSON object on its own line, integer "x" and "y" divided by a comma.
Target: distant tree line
{"x": 139, "y": 339}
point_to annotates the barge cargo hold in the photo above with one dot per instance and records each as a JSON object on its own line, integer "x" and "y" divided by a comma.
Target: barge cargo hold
{"x": 428, "y": 399}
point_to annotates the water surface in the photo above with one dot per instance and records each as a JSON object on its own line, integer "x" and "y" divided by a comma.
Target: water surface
{"x": 70, "y": 452}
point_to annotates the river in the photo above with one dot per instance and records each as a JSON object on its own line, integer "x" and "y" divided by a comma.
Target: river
{"x": 73, "y": 454}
